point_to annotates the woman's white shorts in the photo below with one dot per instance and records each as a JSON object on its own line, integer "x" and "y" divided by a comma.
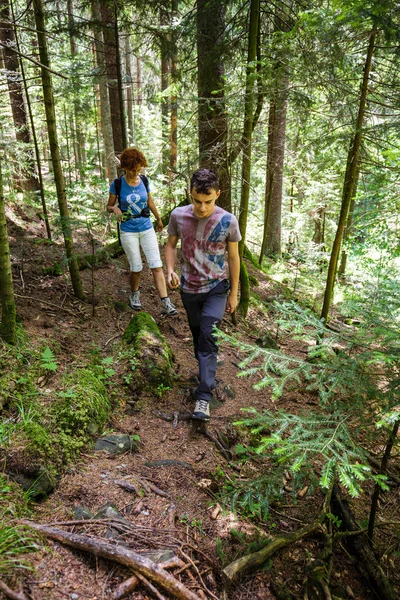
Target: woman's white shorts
{"x": 131, "y": 242}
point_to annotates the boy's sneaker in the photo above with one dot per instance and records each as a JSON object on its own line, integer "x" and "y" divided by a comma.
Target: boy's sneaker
{"x": 201, "y": 411}
{"x": 134, "y": 300}
{"x": 167, "y": 308}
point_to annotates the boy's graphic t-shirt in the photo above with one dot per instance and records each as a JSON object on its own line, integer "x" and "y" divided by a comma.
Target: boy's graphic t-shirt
{"x": 132, "y": 199}
{"x": 204, "y": 242}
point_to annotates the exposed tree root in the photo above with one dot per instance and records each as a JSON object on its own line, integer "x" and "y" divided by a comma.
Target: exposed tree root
{"x": 358, "y": 545}
{"x": 256, "y": 559}
{"x": 139, "y": 564}
{"x": 9, "y": 593}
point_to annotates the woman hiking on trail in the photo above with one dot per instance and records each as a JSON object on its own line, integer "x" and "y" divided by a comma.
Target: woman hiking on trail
{"x": 133, "y": 212}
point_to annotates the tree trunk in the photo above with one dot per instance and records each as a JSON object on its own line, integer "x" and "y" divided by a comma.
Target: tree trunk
{"x": 106, "y": 126}
{"x": 79, "y": 135}
{"x": 349, "y": 222}
{"x": 109, "y": 51}
{"x": 165, "y": 47}
{"x": 34, "y": 136}
{"x": 8, "y": 312}
{"x": 48, "y": 99}
{"x": 349, "y": 181}
{"x": 247, "y": 139}
{"x": 129, "y": 93}
{"x": 173, "y": 158}
{"x": 248, "y": 120}
{"x": 319, "y": 226}
{"x": 212, "y": 119}
{"x": 271, "y": 243}
{"x": 26, "y": 180}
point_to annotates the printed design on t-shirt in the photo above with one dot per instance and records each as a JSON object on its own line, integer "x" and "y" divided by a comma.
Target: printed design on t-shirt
{"x": 220, "y": 232}
{"x": 133, "y": 201}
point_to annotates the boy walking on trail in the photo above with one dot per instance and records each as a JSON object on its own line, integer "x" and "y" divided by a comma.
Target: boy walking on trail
{"x": 206, "y": 231}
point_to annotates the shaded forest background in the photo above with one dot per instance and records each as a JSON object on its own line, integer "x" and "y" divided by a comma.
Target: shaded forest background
{"x": 296, "y": 106}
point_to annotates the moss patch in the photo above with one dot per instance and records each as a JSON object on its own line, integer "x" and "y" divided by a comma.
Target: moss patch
{"x": 149, "y": 355}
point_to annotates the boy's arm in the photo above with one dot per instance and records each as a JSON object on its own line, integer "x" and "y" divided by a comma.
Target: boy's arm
{"x": 170, "y": 259}
{"x": 234, "y": 271}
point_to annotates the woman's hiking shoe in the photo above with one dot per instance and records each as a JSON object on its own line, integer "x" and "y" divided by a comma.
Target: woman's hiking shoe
{"x": 167, "y": 308}
{"x": 134, "y": 300}
{"x": 201, "y": 411}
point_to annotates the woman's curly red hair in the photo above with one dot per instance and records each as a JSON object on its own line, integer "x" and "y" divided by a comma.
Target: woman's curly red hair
{"x": 131, "y": 157}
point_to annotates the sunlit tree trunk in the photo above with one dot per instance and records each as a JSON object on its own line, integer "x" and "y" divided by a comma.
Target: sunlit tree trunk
{"x": 26, "y": 179}
{"x": 8, "y": 312}
{"x": 212, "y": 118}
{"x": 349, "y": 181}
{"x": 105, "y": 111}
{"x": 48, "y": 98}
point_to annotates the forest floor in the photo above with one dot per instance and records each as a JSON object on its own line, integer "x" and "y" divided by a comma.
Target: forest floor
{"x": 49, "y": 311}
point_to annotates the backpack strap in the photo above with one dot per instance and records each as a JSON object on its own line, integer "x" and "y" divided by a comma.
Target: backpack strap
{"x": 118, "y": 185}
{"x": 146, "y": 182}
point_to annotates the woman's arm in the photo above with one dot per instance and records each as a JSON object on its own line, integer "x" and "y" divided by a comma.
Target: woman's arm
{"x": 111, "y": 206}
{"x": 153, "y": 208}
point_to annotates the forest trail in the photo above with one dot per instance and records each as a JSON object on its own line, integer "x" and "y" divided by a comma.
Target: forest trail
{"x": 191, "y": 479}
{"x": 49, "y": 311}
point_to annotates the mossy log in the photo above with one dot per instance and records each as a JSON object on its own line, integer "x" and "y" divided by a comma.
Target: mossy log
{"x": 150, "y": 355}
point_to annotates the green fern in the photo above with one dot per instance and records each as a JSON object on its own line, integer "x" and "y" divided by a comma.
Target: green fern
{"x": 48, "y": 360}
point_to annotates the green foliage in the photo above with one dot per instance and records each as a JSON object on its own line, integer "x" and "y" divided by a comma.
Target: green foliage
{"x": 48, "y": 361}
{"x": 15, "y": 540}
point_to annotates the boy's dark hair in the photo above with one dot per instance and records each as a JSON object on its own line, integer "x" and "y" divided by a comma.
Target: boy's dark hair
{"x": 204, "y": 181}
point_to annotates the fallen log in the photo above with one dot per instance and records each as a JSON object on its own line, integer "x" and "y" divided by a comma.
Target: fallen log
{"x": 124, "y": 556}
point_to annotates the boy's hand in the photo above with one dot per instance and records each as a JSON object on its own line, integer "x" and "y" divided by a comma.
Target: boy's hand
{"x": 173, "y": 280}
{"x": 231, "y": 303}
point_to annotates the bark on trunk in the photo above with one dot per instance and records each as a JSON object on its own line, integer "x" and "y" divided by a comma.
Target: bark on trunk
{"x": 248, "y": 120}
{"x": 48, "y": 99}
{"x": 349, "y": 182}
{"x": 79, "y": 150}
{"x": 34, "y": 135}
{"x": 26, "y": 180}
{"x": 109, "y": 51}
{"x": 173, "y": 140}
{"x": 212, "y": 119}
{"x": 349, "y": 222}
{"x": 271, "y": 243}
{"x": 129, "y": 92}
{"x": 105, "y": 111}
{"x": 8, "y": 312}
{"x": 165, "y": 47}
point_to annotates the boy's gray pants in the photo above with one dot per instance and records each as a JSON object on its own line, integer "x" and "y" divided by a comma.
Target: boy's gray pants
{"x": 204, "y": 311}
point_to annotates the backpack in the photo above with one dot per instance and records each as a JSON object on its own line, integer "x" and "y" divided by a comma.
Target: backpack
{"x": 118, "y": 185}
